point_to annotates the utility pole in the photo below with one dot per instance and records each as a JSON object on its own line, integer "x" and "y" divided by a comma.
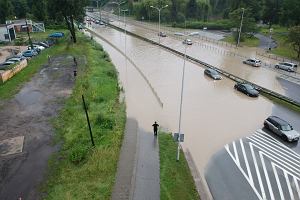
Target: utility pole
{"x": 238, "y": 42}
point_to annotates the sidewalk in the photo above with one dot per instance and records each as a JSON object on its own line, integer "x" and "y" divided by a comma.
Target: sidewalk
{"x": 138, "y": 167}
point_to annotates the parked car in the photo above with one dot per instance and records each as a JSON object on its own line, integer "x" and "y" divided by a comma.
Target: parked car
{"x": 281, "y": 128}
{"x": 14, "y": 59}
{"x": 187, "y": 41}
{"x": 29, "y": 53}
{"x": 253, "y": 62}
{"x": 18, "y": 57}
{"x": 162, "y": 34}
{"x": 246, "y": 89}
{"x": 213, "y": 74}
{"x": 35, "y": 46}
{"x": 290, "y": 67}
{"x": 7, "y": 63}
{"x": 43, "y": 44}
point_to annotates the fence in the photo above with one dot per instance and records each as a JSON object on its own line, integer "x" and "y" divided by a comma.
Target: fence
{"x": 275, "y": 57}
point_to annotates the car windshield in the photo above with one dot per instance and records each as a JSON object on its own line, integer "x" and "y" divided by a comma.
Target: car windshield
{"x": 249, "y": 87}
{"x": 214, "y": 72}
{"x": 286, "y": 128}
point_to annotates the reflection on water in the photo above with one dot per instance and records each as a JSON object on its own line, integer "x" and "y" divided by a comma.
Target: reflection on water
{"x": 213, "y": 112}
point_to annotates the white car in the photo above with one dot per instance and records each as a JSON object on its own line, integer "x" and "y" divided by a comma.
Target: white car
{"x": 187, "y": 41}
{"x": 35, "y": 46}
{"x": 290, "y": 67}
{"x": 253, "y": 62}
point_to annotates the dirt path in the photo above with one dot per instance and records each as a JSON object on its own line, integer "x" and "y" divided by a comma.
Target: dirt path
{"x": 28, "y": 114}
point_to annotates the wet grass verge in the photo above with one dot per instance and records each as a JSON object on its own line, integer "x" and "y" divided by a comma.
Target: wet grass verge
{"x": 78, "y": 170}
{"x": 282, "y": 102}
{"x": 176, "y": 181}
{"x": 12, "y": 86}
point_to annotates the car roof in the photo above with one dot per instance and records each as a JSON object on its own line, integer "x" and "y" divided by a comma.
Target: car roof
{"x": 289, "y": 63}
{"x": 278, "y": 120}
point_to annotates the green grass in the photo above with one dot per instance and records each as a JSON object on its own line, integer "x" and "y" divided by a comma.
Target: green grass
{"x": 248, "y": 41}
{"x": 176, "y": 181}
{"x": 39, "y": 36}
{"x": 13, "y": 85}
{"x": 79, "y": 171}
{"x": 283, "y": 103}
{"x": 284, "y": 48}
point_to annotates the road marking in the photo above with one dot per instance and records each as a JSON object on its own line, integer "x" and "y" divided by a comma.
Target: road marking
{"x": 273, "y": 156}
{"x": 246, "y": 161}
{"x": 258, "y": 173}
{"x": 278, "y": 182}
{"x": 289, "y": 185}
{"x": 266, "y": 175}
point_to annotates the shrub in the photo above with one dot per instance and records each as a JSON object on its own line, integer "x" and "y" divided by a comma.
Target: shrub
{"x": 78, "y": 154}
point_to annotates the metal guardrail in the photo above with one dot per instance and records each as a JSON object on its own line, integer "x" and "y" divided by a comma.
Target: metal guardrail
{"x": 278, "y": 58}
{"x": 224, "y": 73}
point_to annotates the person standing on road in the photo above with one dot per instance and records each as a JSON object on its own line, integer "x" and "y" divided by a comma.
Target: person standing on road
{"x": 155, "y": 127}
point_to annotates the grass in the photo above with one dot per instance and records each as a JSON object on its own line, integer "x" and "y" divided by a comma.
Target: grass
{"x": 284, "y": 48}
{"x": 176, "y": 181}
{"x": 248, "y": 41}
{"x": 12, "y": 86}
{"x": 283, "y": 103}
{"x": 78, "y": 170}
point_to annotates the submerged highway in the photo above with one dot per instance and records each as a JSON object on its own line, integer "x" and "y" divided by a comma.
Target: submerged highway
{"x": 223, "y": 128}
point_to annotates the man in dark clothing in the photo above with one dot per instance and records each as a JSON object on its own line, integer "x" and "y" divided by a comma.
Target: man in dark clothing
{"x": 155, "y": 127}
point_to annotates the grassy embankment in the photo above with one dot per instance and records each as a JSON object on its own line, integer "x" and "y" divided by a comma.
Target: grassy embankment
{"x": 12, "y": 86}
{"x": 247, "y": 41}
{"x": 284, "y": 48}
{"x": 79, "y": 171}
{"x": 176, "y": 181}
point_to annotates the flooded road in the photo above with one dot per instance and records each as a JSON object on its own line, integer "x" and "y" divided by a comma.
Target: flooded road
{"x": 213, "y": 113}
{"x": 224, "y": 57}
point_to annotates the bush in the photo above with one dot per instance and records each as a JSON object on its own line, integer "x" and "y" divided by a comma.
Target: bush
{"x": 78, "y": 154}
{"x": 215, "y": 25}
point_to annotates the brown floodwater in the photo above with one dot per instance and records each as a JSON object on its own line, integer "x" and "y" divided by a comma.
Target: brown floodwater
{"x": 213, "y": 113}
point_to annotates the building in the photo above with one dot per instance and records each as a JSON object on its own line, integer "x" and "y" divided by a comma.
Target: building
{"x": 7, "y": 32}
{"x": 21, "y": 26}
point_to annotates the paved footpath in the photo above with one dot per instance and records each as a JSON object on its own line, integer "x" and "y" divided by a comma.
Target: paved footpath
{"x": 138, "y": 167}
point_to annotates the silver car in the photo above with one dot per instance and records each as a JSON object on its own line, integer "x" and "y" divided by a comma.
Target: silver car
{"x": 187, "y": 41}
{"x": 281, "y": 128}
{"x": 254, "y": 62}
{"x": 290, "y": 67}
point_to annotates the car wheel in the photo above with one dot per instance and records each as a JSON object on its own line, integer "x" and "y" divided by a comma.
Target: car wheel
{"x": 284, "y": 137}
{"x": 266, "y": 125}
{"x": 276, "y": 66}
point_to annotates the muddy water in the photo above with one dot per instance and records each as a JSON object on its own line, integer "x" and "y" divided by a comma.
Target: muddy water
{"x": 215, "y": 55}
{"x": 213, "y": 113}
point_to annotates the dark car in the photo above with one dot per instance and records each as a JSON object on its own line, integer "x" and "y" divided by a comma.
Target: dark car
{"x": 162, "y": 34}
{"x": 281, "y": 128}
{"x": 246, "y": 89}
{"x": 213, "y": 74}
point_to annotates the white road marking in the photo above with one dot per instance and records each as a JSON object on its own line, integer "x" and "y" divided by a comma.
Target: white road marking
{"x": 266, "y": 176}
{"x": 278, "y": 182}
{"x": 246, "y": 161}
{"x": 244, "y": 174}
{"x": 270, "y": 151}
{"x": 289, "y": 185}
{"x": 258, "y": 173}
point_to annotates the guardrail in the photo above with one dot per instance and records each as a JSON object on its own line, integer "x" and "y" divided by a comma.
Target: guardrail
{"x": 274, "y": 57}
{"x": 224, "y": 73}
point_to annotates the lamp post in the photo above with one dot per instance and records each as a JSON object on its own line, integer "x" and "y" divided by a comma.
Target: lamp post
{"x": 181, "y": 98}
{"x": 119, "y": 5}
{"x": 238, "y": 42}
{"x": 159, "y": 9}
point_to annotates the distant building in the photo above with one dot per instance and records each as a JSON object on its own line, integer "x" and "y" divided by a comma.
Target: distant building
{"x": 7, "y": 32}
{"x": 20, "y": 25}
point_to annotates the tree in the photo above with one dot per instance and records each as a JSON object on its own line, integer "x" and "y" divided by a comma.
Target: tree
{"x": 5, "y": 10}
{"x": 294, "y": 39}
{"x": 192, "y": 9}
{"x": 70, "y": 10}
{"x": 249, "y": 24}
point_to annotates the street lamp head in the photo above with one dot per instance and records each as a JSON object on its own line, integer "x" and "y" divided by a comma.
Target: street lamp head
{"x": 166, "y": 6}
{"x": 151, "y": 6}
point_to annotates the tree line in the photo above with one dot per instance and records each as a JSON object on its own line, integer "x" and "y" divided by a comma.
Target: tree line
{"x": 284, "y": 12}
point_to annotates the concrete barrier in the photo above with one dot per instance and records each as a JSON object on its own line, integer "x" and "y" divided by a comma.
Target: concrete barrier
{"x": 6, "y": 75}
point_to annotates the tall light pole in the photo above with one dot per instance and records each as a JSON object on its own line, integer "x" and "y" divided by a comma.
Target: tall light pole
{"x": 159, "y": 9}
{"x": 181, "y": 98}
{"x": 124, "y": 11}
{"x": 119, "y": 5}
{"x": 238, "y": 42}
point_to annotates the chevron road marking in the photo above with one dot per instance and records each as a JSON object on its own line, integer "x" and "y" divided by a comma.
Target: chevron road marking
{"x": 273, "y": 157}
